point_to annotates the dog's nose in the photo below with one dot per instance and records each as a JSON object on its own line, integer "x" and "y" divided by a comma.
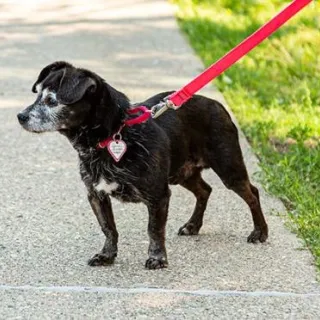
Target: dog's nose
{"x": 22, "y": 117}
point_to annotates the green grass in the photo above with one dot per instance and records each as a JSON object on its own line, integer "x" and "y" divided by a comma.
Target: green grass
{"x": 275, "y": 93}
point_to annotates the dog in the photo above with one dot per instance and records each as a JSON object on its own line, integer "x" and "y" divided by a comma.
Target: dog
{"x": 172, "y": 149}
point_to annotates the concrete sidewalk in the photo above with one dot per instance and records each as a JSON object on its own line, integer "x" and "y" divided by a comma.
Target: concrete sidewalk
{"x": 47, "y": 229}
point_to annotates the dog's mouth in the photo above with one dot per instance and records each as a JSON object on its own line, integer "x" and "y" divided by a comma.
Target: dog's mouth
{"x": 35, "y": 131}
{"x": 32, "y": 130}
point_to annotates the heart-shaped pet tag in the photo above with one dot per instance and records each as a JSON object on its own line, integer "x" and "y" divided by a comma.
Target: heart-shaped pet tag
{"x": 117, "y": 149}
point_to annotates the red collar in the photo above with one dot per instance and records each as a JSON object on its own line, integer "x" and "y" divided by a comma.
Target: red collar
{"x": 146, "y": 114}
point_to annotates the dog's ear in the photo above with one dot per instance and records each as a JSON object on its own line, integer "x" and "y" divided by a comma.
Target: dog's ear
{"x": 73, "y": 86}
{"x": 47, "y": 70}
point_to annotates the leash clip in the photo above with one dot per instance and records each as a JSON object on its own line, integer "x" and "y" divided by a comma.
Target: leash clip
{"x": 162, "y": 107}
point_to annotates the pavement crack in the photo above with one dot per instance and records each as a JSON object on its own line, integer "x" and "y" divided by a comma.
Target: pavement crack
{"x": 200, "y": 292}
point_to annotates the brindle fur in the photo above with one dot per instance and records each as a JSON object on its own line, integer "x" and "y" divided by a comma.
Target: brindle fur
{"x": 172, "y": 149}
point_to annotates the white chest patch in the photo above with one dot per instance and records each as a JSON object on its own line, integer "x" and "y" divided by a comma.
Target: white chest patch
{"x": 105, "y": 187}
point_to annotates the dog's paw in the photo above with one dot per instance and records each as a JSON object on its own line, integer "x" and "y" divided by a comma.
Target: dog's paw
{"x": 101, "y": 259}
{"x": 188, "y": 229}
{"x": 257, "y": 235}
{"x": 153, "y": 263}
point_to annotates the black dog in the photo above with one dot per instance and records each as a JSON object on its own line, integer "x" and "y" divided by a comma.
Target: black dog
{"x": 173, "y": 149}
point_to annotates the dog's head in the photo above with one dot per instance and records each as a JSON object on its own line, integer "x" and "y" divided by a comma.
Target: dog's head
{"x": 63, "y": 99}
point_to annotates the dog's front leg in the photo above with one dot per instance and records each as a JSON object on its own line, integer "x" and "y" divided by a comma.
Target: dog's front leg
{"x": 102, "y": 208}
{"x": 158, "y": 212}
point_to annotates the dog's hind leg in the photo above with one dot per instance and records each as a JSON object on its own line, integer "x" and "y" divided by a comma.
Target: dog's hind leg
{"x": 102, "y": 208}
{"x": 158, "y": 213}
{"x": 202, "y": 191}
{"x": 250, "y": 195}
{"x": 227, "y": 161}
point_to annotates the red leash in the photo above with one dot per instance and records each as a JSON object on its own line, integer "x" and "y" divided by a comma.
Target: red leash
{"x": 176, "y": 99}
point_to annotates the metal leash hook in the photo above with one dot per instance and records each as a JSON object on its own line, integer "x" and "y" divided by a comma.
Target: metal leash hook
{"x": 158, "y": 109}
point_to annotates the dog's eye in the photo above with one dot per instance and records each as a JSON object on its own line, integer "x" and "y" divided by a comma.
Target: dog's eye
{"x": 50, "y": 100}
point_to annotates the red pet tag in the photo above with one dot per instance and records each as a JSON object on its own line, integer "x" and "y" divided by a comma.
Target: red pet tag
{"x": 117, "y": 148}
